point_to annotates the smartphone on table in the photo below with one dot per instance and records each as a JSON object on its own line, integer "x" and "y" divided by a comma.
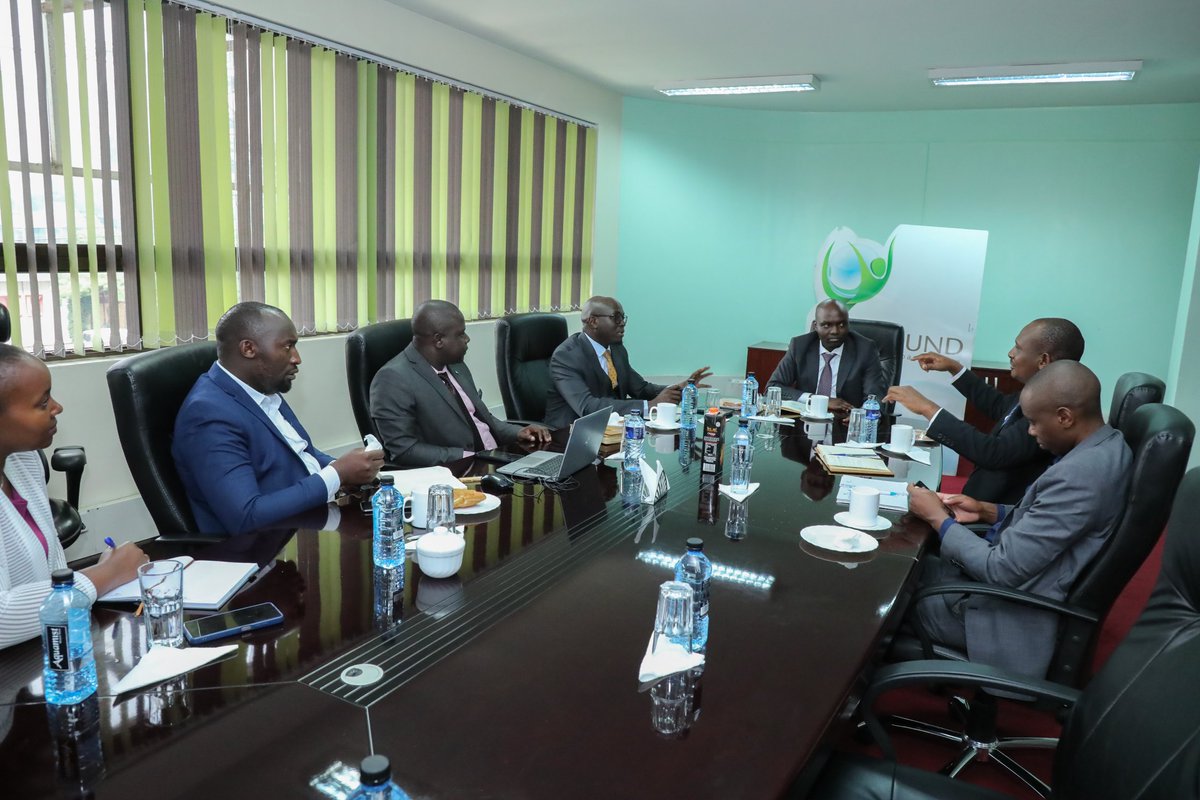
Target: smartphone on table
{"x": 234, "y": 622}
{"x": 949, "y": 511}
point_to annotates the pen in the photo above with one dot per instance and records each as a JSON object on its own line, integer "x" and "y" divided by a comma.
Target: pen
{"x": 108, "y": 540}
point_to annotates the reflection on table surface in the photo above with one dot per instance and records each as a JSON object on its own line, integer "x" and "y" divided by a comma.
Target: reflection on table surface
{"x": 538, "y": 637}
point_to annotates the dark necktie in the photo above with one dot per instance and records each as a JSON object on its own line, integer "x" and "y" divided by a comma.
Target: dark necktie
{"x": 825, "y": 382}
{"x": 478, "y": 442}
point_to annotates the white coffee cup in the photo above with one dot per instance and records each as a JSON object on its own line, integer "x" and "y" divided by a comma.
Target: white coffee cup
{"x": 816, "y": 405}
{"x": 902, "y": 438}
{"x": 664, "y": 413}
{"x": 864, "y": 506}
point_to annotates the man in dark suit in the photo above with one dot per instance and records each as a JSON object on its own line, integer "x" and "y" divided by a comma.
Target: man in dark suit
{"x": 831, "y": 360}
{"x": 591, "y": 371}
{"x": 424, "y": 401}
{"x": 245, "y": 460}
{"x": 1006, "y": 459}
{"x": 1042, "y": 544}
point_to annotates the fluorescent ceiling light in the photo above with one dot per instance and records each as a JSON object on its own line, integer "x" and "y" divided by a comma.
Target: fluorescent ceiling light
{"x": 1036, "y": 73}
{"x": 764, "y": 85}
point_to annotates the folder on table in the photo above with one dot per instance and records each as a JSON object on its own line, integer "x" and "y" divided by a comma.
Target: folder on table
{"x": 207, "y": 585}
{"x": 843, "y": 460}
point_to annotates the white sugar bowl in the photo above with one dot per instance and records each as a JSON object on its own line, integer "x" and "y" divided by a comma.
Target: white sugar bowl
{"x": 440, "y": 552}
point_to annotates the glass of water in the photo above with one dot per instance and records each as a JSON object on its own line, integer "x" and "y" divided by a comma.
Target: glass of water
{"x": 162, "y": 595}
{"x": 441, "y": 506}
{"x": 712, "y": 399}
{"x": 774, "y": 401}
{"x": 673, "y": 621}
{"x": 857, "y": 430}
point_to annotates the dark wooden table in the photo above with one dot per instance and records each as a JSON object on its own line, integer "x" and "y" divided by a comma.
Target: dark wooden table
{"x": 515, "y": 679}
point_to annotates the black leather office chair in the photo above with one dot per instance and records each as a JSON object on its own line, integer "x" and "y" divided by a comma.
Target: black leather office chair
{"x": 524, "y": 344}
{"x": 368, "y": 349}
{"x": 889, "y": 337}
{"x": 1131, "y": 735}
{"x": 147, "y": 391}
{"x": 69, "y": 459}
{"x": 1133, "y": 390}
{"x": 1161, "y": 440}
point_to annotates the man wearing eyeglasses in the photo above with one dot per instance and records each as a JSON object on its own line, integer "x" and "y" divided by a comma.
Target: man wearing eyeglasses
{"x": 591, "y": 371}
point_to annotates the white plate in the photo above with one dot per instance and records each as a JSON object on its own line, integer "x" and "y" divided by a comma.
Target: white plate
{"x": 894, "y": 451}
{"x": 843, "y": 518}
{"x": 821, "y": 417}
{"x": 841, "y": 540}
{"x": 659, "y": 425}
{"x": 489, "y": 503}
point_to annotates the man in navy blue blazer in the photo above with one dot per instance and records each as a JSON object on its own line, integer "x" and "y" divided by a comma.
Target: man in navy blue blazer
{"x": 246, "y": 461}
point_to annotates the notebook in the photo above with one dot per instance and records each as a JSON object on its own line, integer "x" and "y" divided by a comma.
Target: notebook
{"x": 207, "y": 585}
{"x": 843, "y": 460}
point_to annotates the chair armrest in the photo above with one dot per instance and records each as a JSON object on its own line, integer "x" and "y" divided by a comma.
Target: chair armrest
{"x": 71, "y": 458}
{"x": 956, "y": 673}
{"x": 1012, "y": 595}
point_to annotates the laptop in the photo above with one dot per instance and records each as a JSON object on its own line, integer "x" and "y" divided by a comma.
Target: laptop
{"x": 583, "y": 446}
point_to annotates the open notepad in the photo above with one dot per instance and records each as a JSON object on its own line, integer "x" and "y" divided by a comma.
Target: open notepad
{"x": 206, "y": 584}
{"x": 845, "y": 460}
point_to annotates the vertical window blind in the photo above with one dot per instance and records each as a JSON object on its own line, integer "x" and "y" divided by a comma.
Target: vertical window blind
{"x": 234, "y": 163}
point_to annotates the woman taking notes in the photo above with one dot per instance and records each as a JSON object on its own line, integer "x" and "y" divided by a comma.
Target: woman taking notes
{"x": 29, "y": 548}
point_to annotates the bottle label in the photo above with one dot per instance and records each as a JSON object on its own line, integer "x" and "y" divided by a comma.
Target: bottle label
{"x": 56, "y": 646}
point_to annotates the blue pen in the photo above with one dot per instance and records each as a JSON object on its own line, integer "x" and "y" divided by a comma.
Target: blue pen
{"x": 108, "y": 540}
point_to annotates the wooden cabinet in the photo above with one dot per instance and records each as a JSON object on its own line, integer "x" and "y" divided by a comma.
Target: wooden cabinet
{"x": 763, "y": 358}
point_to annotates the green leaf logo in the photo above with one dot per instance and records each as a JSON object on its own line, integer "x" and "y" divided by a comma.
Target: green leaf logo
{"x": 847, "y": 275}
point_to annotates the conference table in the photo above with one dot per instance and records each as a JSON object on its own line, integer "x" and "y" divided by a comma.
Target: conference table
{"x": 517, "y": 678}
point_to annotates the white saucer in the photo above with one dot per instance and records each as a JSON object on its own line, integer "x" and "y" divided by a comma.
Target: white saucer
{"x": 818, "y": 417}
{"x": 659, "y": 425}
{"x": 893, "y": 450}
{"x": 842, "y": 540}
{"x": 843, "y": 518}
{"x": 489, "y": 503}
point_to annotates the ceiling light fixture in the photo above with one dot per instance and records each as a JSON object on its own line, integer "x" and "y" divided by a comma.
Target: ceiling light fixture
{"x": 765, "y": 85}
{"x": 1036, "y": 73}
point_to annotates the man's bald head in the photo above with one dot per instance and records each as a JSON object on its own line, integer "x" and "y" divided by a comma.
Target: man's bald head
{"x": 1062, "y": 404}
{"x": 831, "y": 320}
{"x": 604, "y": 320}
{"x": 440, "y": 333}
{"x": 247, "y": 321}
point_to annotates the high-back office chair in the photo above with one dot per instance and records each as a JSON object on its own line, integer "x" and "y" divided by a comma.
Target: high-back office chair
{"x": 367, "y": 349}
{"x": 524, "y": 344}
{"x": 1133, "y": 390}
{"x": 147, "y": 391}
{"x": 1161, "y": 440}
{"x": 68, "y": 459}
{"x": 889, "y": 338}
{"x": 1131, "y": 735}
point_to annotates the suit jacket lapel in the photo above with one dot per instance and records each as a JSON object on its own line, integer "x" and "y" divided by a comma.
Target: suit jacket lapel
{"x": 846, "y": 364}
{"x": 601, "y": 385}
{"x": 238, "y": 394}
{"x": 427, "y": 372}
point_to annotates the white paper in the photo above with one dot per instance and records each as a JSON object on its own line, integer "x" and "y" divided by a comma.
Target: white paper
{"x": 727, "y": 490}
{"x": 207, "y": 585}
{"x": 893, "y": 495}
{"x": 773, "y": 420}
{"x": 668, "y": 659}
{"x": 163, "y": 663}
{"x": 917, "y": 454}
{"x": 411, "y": 480}
{"x": 654, "y": 482}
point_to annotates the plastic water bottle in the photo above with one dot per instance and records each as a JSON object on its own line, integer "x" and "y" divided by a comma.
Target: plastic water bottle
{"x": 68, "y": 663}
{"x": 749, "y": 395}
{"x": 375, "y": 781}
{"x": 687, "y": 406}
{"x": 635, "y": 439}
{"x": 740, "y": 454}
{"x": 695, "y": 570}
{"x": 873, "y": 414}
{"x": 388, "y": 524}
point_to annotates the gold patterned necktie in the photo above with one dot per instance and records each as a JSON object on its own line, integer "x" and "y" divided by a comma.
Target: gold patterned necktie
{"x": 612, "y": 371}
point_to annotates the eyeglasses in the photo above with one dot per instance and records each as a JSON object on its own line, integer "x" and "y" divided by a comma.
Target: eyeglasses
{"x": 618, "y": 319}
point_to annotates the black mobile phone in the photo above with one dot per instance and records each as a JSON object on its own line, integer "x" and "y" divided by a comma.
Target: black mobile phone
{"x": 949, "y": 511}
{"x": 231, "y": 623}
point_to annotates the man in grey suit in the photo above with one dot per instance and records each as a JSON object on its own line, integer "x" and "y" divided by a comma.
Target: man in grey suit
{"x": 831, "y": 360}
{"x": 424, "y": 401}
{"x": 1042, "y": 544}
{"x": 591, "y": 371}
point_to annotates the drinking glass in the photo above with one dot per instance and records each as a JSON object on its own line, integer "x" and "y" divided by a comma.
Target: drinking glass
{"x": 441, "y": 506}
{"x": 672, "y": 700}
{"x": 774, "y": 401}
{"x": 857, "y": 430}
{"x": 712, "y": 399}
{"x": 674, "y": 617}
{"x": 162, "y": 594}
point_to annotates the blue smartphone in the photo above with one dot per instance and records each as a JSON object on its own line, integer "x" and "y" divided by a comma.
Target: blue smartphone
{"x": 234, "y": 622}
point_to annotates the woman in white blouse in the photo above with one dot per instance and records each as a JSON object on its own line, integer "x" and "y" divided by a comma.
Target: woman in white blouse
{"x": 29, "y": 548}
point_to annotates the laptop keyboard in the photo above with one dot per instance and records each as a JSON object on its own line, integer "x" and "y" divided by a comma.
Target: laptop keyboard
{"x": 547, "y": 469}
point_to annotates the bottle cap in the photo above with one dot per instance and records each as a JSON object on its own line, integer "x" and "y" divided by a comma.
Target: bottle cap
{"x": 695, "y": 543}
{"x": 749, "y": 374}
{"x": 62, "y": 577}
{"x": 387, "y": 480}
{"x": 374, "y": 771}
{"x": 691, "y": 381}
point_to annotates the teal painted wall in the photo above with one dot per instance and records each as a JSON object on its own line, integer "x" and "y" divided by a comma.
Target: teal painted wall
{"x": 722, "y": 212}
